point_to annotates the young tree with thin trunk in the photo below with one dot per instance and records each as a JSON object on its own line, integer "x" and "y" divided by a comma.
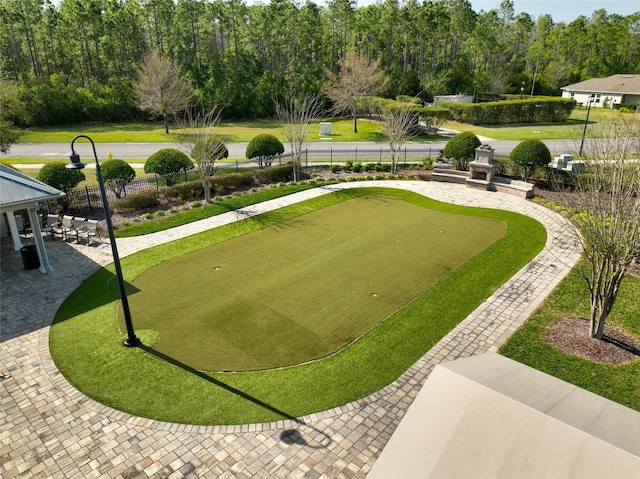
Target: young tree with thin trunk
{"x": 296, "y": 116}
{"x": 400, "y": 122}
{"x": 198, "y": 140}
{"x": 160, "y": 89}
{"x": 607, "y": 198}
{"x": 356, "y": 78}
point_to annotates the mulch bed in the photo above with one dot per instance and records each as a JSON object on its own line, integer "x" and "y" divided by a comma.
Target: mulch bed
{"x": 571, "y": 335}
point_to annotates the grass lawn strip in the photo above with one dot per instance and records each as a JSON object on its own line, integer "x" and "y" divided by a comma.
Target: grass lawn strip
{"x": 86, "y": 345}
{"x": 620, "y": 383}
{"x": 304, "y": 288}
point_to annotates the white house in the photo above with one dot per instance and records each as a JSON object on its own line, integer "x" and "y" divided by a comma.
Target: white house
{"x": 605, "y": 92}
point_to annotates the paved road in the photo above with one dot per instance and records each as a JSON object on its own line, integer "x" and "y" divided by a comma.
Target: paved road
{"x": 237, "y": 150}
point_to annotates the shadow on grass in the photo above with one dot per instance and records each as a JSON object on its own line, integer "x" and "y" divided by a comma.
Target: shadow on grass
{"x": 81, "y": 301}
{"x": 625, "y": 346}
{"x": 315, "y": 438}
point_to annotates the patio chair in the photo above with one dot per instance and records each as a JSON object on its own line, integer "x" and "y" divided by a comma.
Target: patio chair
{"x": 90, "y": 231}
{"x": 76, "y": 226}
{"x": 52, "y": 224}
{"x": 65, "y": 226}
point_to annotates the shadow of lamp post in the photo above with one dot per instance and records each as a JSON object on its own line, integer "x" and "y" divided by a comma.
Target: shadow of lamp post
{"x": 76, "y": 164}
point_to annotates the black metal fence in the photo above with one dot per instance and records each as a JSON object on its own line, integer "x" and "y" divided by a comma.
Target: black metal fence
{"x": 87, "y": 201}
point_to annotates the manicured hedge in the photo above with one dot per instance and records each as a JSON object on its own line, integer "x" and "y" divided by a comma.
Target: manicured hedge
{"x": 531, "y": 110}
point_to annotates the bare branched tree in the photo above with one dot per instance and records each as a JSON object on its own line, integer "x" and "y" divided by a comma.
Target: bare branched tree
{"x": 197, "y": 139}
{"x": 607, "y": 198}
{"x": 356, "y": 78}
{"x": 400, "y": 122}
{"x": 160, "y": 89}
{"x": 296, "y": 116}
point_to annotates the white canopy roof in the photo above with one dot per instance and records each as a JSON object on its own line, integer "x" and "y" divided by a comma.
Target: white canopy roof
{"x": 488, "y": 416}
{"x": 18, "y": 191}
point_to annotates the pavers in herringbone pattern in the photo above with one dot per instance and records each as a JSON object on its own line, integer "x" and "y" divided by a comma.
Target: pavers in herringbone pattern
{"x": 48, "y": 429}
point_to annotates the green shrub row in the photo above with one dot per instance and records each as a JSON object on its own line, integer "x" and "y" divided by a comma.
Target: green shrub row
{"x": 274, "y": 174}
{"x": 185, "y": 191}
{"x": 137, "y": 201}
{"x": 531, "y": 110}
{"x": 232, "y": 182}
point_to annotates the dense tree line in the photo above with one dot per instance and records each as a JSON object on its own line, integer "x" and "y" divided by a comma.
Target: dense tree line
{"x": 76, "y": 60}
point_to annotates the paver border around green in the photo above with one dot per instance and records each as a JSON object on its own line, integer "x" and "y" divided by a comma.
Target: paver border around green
{"x": 132, "y": 381}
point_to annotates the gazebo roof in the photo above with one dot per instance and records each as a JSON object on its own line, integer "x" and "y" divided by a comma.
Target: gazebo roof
{"x": 18, "y": 190}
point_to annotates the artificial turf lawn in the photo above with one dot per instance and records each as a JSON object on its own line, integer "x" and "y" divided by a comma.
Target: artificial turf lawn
{"x": 87, "y": 347}
{"x": 304, "y": 288}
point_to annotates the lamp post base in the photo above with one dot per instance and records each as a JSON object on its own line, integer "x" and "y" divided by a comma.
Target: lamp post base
{"x": 131, "y": 341}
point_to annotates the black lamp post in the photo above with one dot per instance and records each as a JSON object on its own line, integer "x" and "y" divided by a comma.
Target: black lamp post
{"x": 76, "y": 164}
{"x": 586, "y": 121}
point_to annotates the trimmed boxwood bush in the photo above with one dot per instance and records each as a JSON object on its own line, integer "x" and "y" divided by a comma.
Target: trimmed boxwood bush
{"x": 168, "y": 162}
{"x": 117, "y": 173}
{"x": 264, "y": 148}
{"x": 461, "y": 149}
{"x": 57, "y": 174}
{"x": 529, "y": 155}
{"x": 209, "y": 149}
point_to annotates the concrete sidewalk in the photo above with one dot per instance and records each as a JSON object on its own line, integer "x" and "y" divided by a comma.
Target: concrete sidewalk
{"x": 49, "y": 429}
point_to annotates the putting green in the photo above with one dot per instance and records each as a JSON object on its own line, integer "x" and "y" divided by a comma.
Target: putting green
{"x": 305, "y": 288}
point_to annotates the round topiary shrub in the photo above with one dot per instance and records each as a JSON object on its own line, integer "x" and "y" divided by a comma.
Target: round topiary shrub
{"x": 264, "y": 148}
{"x": 57, "y": 174}
{"x": 208, "y": 149}
{"x": 167, "y": 163}
{"x": 529, "y": 155}
{"x": 461, "y": 149}
{"x": 116, "y": 174}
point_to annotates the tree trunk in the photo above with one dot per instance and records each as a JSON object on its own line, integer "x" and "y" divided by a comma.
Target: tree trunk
{"x": 166, "y": 123}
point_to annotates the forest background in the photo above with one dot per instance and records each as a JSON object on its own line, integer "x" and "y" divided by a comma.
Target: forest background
{"x": 74, "y": 61}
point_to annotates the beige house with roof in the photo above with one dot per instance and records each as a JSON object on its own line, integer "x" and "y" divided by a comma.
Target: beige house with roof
{"x": 606, "y": 92}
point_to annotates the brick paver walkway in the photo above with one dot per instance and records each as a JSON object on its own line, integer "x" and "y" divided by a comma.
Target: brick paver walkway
{"x": 48, "y": 429}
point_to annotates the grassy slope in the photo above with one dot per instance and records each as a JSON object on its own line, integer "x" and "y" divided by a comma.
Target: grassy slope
{"x": 86, "y": 345}
{"x": 238, "y": 131}
{"x": 571, "y": 129}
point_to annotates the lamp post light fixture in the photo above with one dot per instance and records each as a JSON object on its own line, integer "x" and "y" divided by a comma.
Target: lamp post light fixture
{"x": 586, "y": 121}
{"x": 76, "y": 164}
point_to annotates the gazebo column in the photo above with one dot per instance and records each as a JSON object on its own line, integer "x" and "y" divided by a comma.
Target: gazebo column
{"x": 45, "y": 267}
{"x": 13, "y": 228}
